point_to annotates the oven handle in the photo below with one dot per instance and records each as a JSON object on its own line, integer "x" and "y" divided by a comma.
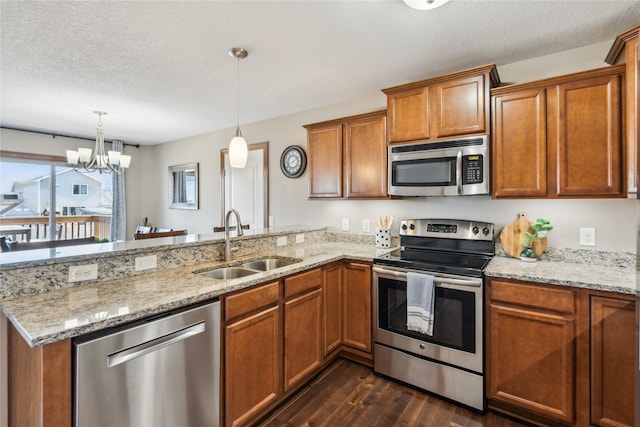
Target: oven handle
{"x": 459, "y": 171}
{"x": 403, "y": 275}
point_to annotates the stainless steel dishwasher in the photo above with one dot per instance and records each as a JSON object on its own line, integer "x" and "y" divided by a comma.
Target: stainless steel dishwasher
{"x": 159, "y": 373}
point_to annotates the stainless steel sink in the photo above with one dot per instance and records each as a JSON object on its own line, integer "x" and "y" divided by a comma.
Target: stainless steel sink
{"x": 227, "y": 273}
{"x": 247, "y": 269}
{"x": 266, "y": 264}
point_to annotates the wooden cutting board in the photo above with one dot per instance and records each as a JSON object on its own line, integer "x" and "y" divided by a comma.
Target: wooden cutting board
{"x": 512, "y": 237}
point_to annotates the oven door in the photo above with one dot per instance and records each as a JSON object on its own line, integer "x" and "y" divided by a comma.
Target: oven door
{"x": 457, "y": 330}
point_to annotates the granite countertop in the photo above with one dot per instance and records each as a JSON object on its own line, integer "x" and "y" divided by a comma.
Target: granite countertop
{"x": 69, "y": 312}
{"x": 612, "y": 278}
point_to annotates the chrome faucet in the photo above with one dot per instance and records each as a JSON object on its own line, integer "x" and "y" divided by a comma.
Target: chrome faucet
{"x": 227, "y": 245}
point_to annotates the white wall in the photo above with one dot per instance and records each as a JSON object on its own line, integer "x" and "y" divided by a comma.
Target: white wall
{"x": 147, "y": 179}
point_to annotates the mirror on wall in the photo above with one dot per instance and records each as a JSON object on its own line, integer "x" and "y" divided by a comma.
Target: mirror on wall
{"x": 246, "y": 189}
{"x": 183, "y": 186}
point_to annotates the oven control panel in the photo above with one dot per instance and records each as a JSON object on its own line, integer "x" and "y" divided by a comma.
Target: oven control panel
{"x": 447, "y": 228}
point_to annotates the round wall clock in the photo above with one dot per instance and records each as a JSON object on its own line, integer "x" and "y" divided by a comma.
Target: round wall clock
{"x": 293, "y": 161}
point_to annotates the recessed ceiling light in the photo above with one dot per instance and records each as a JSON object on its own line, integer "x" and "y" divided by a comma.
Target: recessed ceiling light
{"x": 424, "y": 4}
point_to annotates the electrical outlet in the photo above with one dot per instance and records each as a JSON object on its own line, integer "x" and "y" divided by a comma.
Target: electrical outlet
{"x": 272, "y": 221}
{"x": 78, "y": 273}
{"x": 282, "y": 241}
{"x": 587, "y": 236}
{"x": 299, "y": 238}
{"x": 345, "y": 224}
{"x": 146, "y": 262}
{"x": 366, "y": 226}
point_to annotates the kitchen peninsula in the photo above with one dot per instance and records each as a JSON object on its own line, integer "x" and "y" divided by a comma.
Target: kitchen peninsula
{"x": 122, "y": 295}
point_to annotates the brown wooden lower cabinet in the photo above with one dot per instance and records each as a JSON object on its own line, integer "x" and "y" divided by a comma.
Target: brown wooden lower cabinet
{"x": 332, "y": 307}
{"x": 612, "y": 361}
{"x": 39, "y": 383}
{"x": 302, "y": 327}
{"x": 271, "y": 352}
{"x": 559, "y": 355}
{"x": 252, "y": 366}
{"x": 356, "y": 308}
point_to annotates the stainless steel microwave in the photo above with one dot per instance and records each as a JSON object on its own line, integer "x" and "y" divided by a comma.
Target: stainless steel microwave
{"x": 458, "y": 167}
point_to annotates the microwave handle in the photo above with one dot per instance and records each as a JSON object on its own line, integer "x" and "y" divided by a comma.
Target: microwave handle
{"x": 459, "y": 171}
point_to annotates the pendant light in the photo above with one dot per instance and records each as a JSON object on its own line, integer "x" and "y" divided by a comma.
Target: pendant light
{"x": 84, "y": 160}
{"x": 238, "y": 146}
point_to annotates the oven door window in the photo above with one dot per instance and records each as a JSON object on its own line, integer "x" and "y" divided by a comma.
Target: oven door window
{"x": 454, "y": 320}
{"x": 434, "y": 172}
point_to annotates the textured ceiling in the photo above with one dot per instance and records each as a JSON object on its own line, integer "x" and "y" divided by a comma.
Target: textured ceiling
{"x": 162, "y": 72}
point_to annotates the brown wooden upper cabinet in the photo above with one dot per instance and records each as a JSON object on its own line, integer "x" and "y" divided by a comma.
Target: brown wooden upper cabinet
{"x": 348, "y": 157}
{"x": 559, "y": 137}
{"x": 625, "y": 51}
{"x": 441, "y": 107}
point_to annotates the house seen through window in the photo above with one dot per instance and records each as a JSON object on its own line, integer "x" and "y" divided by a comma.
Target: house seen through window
{"x": 79, "y": 206}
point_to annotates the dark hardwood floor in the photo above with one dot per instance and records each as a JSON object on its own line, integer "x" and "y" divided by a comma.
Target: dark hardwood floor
{"x": 349, "y": 394}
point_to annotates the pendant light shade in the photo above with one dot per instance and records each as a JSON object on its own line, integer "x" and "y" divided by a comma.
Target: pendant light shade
{"x": 238, "y": 150}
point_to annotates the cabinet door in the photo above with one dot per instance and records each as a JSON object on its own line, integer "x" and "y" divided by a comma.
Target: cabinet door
{"x": 40, "y": 385}
{"x": 532, "y": 361}
{"x": 252, "y": 371}
{"x": 585, "y": 138}
{"x": 332, "y": 316}
{"x": 408, "y": 113}
{"x": 366, "y": 157}
{"x": 612, "y": 361}
{"x": 324, "y": 147}
{"x": 356, "y": 306}
{"x": 520, "y": 144}
{"x": 460, "y": 106}
{"x": 302, "y": 337}
{"x": 531, "y": 345}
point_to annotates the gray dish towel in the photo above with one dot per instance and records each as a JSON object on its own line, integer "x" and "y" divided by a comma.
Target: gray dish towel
{"x": 420, "y": 303}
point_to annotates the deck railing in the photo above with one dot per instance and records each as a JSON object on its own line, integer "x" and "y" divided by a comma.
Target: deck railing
{"x": 73, "y": 226}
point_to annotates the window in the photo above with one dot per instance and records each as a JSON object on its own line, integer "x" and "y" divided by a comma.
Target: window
{"x": 43, "y": 193}
{"x": 80, "y": 189}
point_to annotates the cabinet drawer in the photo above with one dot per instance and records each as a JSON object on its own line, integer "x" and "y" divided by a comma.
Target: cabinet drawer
{"x": 560, "y": 300}
{"x": 251, "y": 300}
{"x": 302, "y": 282}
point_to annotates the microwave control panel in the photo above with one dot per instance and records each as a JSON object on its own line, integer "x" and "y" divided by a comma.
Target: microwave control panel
{"x": 472, "y": 169}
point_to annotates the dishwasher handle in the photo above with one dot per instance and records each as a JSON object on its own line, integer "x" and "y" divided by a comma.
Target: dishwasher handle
{"x": 147, "y": 347}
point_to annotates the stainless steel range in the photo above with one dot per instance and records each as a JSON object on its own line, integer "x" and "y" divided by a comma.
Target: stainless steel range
{"x": 451, "y": 255}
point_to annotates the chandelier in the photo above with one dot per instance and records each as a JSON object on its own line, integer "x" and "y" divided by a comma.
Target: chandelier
{"x": 84, "y": 160}
{"x": 238, "y": 149}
